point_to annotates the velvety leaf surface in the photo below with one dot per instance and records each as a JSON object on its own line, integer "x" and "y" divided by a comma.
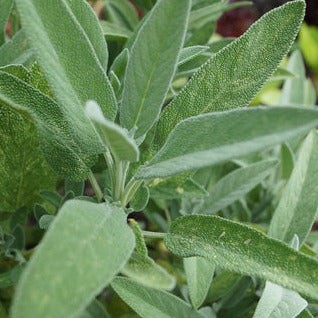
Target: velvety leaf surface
{"x": 145, "y": 271}
{"x": 55, "y": 132}
{"x": 239, "y": 248}
{"x": 69, "y": 62}
{"x": 24, "y": 171}
{"x": 16, "y": 50}
{"x": 297, "y": 209}
{"x": 148, "y": 302}
{"x": 234, "y": 76}
{"x": 277, "y": 302}
{"x": 236, "y": 184}
{"x": 199, "y": 273}
{"x": 121, "y": 145}
{"x": 210, "y": 139}
{"x": 152, "y": 64}
{"x": 86, "y": 245}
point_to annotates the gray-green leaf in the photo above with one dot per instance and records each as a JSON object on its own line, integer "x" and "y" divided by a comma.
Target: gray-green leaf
{"x": 85, "y": 247}
{"x": 210, "y": 139}
{"x": 298, "y": 206}
{"x": 199, "y": 273}
{"x": 152, "y": 64}
{"x": 121, "y": 145}
{"x": 234, "y": 76}
{"x": 239, "y": 248}
{"x": 235, "y": 185}
{"x": 148, "y": 302}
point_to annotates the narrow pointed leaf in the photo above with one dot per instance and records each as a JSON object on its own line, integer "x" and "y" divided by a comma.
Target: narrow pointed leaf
{"x": 90, "y": 24}
{"x": 148, "y": 302}
{"x": 188, "y": 53}
{"x": 239, "y": 248}
{"x": 56, "y": 133}
{"x": 233, "y": 77}
{"x": 121, "y": 145}
{"x": 210, "y": 139}
{"x": 114, "y": 32}
{"x": 152, "y": 64}
{"x": 298, "y": 206}
{"x": 199, "y": 272}
{"x": 236, "y": 184}
{"x": 145, "y": 271}
{"x": 72, "y": 83}
{"x": 276, "y": 300}
{"x": 5, "y": 10}
{"x": 86, "y": 245}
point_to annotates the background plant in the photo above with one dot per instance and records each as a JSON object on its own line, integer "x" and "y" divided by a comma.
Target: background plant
{"x": 227, "y": 191}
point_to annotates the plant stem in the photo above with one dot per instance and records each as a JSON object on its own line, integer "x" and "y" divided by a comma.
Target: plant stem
{"x": 96, "y": 187}
{"x": 118, "y": 180}
{"x": 110, "y": 165}
{"x": 153, "y": 234}
{"x": 130, "y": 190}
{"x": 168, "y": 217}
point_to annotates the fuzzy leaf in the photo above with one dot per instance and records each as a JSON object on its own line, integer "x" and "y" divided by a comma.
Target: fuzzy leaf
{"x": 298, "y": 206}
{"x": 148, "y": 302}
{"x": 152, "y": 64}
{"x": 145, "y": 271}
{"x": 236, "y": 184}
{"x": 121, "y": 145}
{"x": 234, "y": 76}
{"x": 210, "y": 139}
{"x": 5, "y": 10}
{"x": 85, "y": 247}
{"x": 72, "y": 83}
{"x": 56, "y": 133}
{"x": 239, "y": 248}
{"x": 199, "y": 272}
{"x": 24, "y": 171}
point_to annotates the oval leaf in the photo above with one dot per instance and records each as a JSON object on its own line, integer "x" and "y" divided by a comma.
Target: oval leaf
{"x": 239, "y": 248}
{"x": 85, "y": 247}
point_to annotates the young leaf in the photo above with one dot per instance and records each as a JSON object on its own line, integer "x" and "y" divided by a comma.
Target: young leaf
{"x": 140, "y": 198}
{"x": 294, "y": 89}
{"x": 85, "y": 247}
{"x": 188, "y": 53}
{"x": 210, "y": 139}
{"x": 235, "y": 185}
{"x": 69, "y": 62}
{"x": 23, "y": 169}
{"x": 239, "y": 248}
{"x": 90, "y": 24}
{"x": 120, "y": 64}
{"x": 145, "y": 271}
{"x": 56, "y": 133}
{"x": 121, "y": 145}
{"x": 16, "y": 51}
{"x": 297, "y": 209}
{"x": 5, "y": 9}
{"x": 152, "y": 64}
{"x": 199, "y": 272}
{"x": 148, "y": 302}
{"x": 234, "y": 76}
{"x": 114, "y": 32}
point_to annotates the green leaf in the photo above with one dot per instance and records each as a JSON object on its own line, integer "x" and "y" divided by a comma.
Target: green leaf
{"x": 210, "y": 139}
{"x": 145, "y": 271}
{"x": 305, "y": 314}
{"x": 148, "y": 302}
{"x": 23, "y": 169}
{"x": 140, "y": 198}
{"x": 121, "y": 145}
{"x": 56, "y": 133}
{"x": 188, "y": 53}
{"x": 39, "y": 211}
{"x": 276, "y": 300}
{"x": 46, "y": 221}
{"x": 85, "y": 247}
{"x": 236, "y": 184}
{"x": 140, "y": 247}
{"x": 294, "y": 89}
{"x": 239, "y": 248}
{"x": 16, "y": 51}
{"x": 234, "y": 76}
{"x": 287, "y": 161}
{"x": 19, "y": 217}
{"x": 90, "y": 24}
{"x": 298, "y": 206}
{"x": 152, "y": 64}
{"x": 114, "y": 32}
{"x": 5, "y": 10}
{"x": 95, "y": 310}
{"x": 51, "y": 197}
{"x": 199, "y": 272}
{"x": 72, "y": 83}
{"x": 76, "y": 187}
{"x": 120, "y": 64}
